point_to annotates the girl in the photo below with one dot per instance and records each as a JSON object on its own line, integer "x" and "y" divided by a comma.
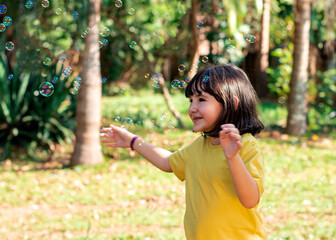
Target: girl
{"x": 223, "y": 168}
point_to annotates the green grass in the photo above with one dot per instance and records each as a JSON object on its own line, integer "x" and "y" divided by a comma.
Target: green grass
{"x": 128, "y": 198}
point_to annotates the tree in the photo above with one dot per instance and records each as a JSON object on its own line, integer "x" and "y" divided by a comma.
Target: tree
{"x": 264, "y": 48}
{"x": 297, "y": 105}
{"x": 88, "y": 114}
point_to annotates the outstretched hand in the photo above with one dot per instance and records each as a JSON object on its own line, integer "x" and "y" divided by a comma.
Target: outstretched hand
{"x": 116, "y": 137}
{"x": 230, "y": 140}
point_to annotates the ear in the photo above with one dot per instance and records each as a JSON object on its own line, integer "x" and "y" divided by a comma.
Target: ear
{"x": 236, "y": 99}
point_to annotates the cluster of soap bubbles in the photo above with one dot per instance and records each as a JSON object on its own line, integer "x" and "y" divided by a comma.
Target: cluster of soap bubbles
{"x": 181, "y": 68}
{"x": 155, "y": 78}
{"x": 7, "y": 21}
{"x": 86, "y": 32}
{"x": 76, "y": 86}
{"x": 126, "y": 122}
{"x": 178, "y": 84}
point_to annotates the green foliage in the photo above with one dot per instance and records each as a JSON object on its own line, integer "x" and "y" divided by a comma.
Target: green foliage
{"x": 324, "y": 101}
{"x": 47, "y": 32}
{"x": 280, "y": 75}
{"x": 31, "y": 120}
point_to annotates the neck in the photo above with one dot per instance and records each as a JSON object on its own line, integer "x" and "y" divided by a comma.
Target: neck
{"x": 214, "y": 141}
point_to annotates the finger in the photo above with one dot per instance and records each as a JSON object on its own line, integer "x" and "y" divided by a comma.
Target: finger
{"x": 114, "y": 145}
{"x": 229, "y": 129}
{"x": 228, "y": 125}
{"x": 235, "y": 136}
{"x": 108, "y": 140}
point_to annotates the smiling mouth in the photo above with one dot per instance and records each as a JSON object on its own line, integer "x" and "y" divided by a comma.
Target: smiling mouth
{"x": 195, "y": 119}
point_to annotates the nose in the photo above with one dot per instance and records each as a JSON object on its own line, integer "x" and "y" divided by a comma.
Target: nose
{"x": 192, "y": 108}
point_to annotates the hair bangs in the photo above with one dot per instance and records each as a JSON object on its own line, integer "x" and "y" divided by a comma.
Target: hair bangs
{"x": 198, "y": 84}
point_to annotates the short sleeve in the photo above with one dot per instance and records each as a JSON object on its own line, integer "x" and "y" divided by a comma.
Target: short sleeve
{"x": 177, "y": 161}
{"x": 254, "y": 161}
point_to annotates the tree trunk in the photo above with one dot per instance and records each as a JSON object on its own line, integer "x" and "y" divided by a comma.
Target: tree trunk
{"x": 297, "y": 105}
{"x": 193, "y": 63}
{"x": 88, "y": 114}
{"x": 264, "y": 49}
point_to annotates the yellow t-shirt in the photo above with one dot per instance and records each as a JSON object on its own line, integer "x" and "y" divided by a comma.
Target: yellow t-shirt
{"x": 213, "y": 210}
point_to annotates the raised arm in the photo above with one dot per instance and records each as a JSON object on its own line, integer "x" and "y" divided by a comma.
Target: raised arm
{"x": 245, "y": 185}
{"x": 117, "y": 137}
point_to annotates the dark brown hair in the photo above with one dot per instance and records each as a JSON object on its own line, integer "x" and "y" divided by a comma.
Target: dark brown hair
{"x": 226, "y": 82}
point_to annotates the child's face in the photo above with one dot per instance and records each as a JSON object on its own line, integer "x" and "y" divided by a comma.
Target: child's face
{"x": 204, "y": 111}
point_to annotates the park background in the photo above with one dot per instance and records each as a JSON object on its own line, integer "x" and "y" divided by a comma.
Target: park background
{"x": 68, "y": 68}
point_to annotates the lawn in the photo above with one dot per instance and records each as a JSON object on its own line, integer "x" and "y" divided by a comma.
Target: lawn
{"x": 128, "y": 198}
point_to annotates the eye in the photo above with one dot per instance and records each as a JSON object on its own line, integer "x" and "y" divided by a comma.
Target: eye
{"x": 202, "y": 100}
{"x": 190, "y": 100}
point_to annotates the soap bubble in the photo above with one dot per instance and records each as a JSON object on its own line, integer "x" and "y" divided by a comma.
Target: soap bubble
{"x": 156, "y": 84}
{"x": 200, "y": 24}
{"x": 131, "y": 11}
{"x": 73, "y": 91}
{"x": 76, "y": 85}
{"x": 45, "y": 3}
{"x": 63, "y": 58}
{"x": 7, "y": 21}
{"x": 133, "y": 44}
{"x": 3, "y": 9}
{"x": 117, "y": 118}
{"x": 87, "y": 29}
{"x": 2, "y": 27}
{"x": 29, "y": 4}
{"x": 83, "y": 35}
{"x": 78, "y": 79}
{"x": 11, "y": 76}
{"x": 205, "y": 59}
{"x": 282, "y": 100}
{"x": 105, "y": 32}
{"x": 58, "y": 11}
{"x": 67, "y": 71}
{"x": 182, "y": 84}
{"x": 250, "y": 38}
{"x": 47, "y": 61}
{"x": 118, "y": 3}
{"x": 9, "y": 46}
{"x": 46, "y": 89}
{"x": 147, "y": 75}
{"x": 175, "y": 83}
{"x": 206, "y": 78}
{"x": 104, "y": 80}
{"x": 75, "y": 15}
{"x": 54, "y": 80}
{"x": 181, "y": 68}
{"x": 105, "y": 42}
